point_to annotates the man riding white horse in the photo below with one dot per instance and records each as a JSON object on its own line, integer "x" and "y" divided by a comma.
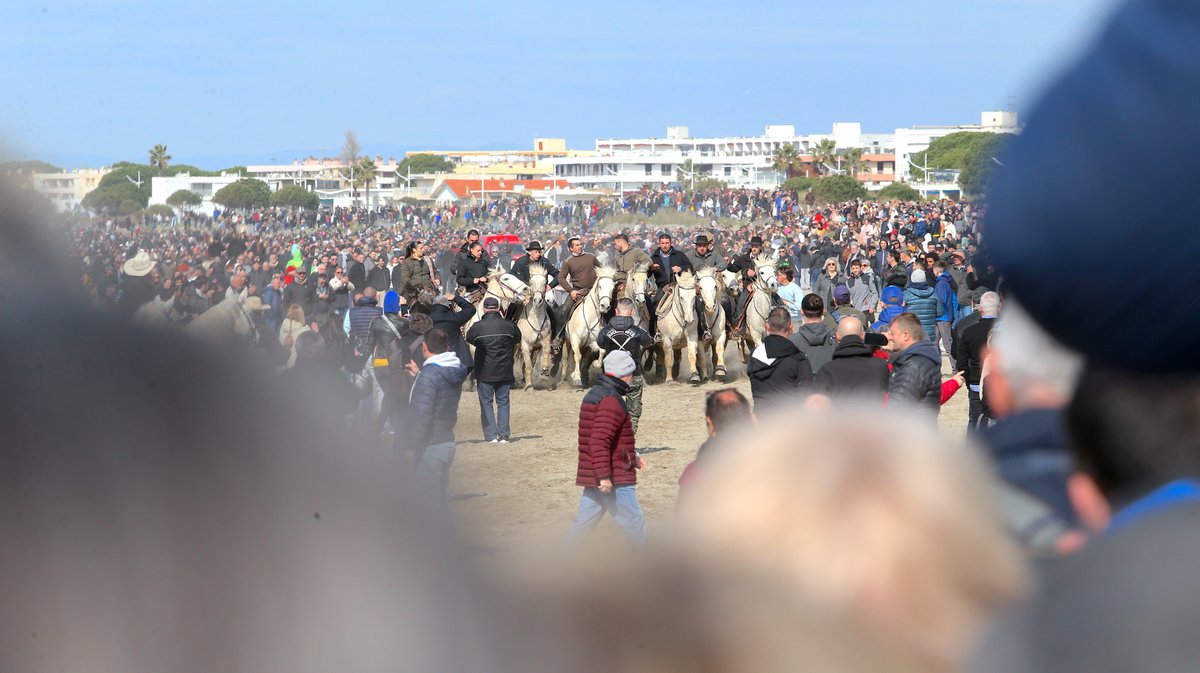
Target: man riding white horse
{"x": 520, "y": 269}
{"x": 665, "y": 263}
{"x": 703, "y": 257}
{"x": 744, "y": 264}
{"x": 577, "y": 276}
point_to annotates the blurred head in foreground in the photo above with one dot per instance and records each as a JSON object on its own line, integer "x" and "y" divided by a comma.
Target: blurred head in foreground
{"x": 163, "y": 511}
{"x": 866, "y": 512}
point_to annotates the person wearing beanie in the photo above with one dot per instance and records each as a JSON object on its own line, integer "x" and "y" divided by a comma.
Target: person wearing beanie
{"x": 843, "y": 307}
{"x": 893, "y": 305}
{"x": 389, "y": 336}
{"x": 495, "y": 340}
{"x": 608, "y": 463}
{"x": 921, "y": 300}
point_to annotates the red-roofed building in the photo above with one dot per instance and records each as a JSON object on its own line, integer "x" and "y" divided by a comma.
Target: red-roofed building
{"x": 461, "y": 190}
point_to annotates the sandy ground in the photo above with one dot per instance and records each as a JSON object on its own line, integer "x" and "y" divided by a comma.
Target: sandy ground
{"x": 512, "y": 496}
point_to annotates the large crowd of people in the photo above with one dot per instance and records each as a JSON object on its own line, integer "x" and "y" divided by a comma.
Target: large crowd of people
{"x": 166, "y": 506}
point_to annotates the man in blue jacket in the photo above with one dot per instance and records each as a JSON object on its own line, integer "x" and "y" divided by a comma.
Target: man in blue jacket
{"x": 946, "y": 291}
{"x": 434, "y": 406}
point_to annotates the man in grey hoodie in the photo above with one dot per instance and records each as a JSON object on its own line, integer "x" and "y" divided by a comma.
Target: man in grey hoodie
{"x": 813, "y": 337}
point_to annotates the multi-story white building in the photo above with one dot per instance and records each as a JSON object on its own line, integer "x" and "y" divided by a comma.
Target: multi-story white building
{"x": 323, "y": 174}
{"x": 67, "y": 189}
{"x": 204, "y": 186}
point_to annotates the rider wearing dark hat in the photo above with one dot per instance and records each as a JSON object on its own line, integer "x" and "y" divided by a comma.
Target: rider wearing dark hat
{"x": 744, "y": 263}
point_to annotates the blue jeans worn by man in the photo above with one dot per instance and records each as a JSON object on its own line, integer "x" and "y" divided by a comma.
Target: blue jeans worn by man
{"x": 494, "y": 418}
{"x": 433, "y": 471}
{"x": 621, "y": 504}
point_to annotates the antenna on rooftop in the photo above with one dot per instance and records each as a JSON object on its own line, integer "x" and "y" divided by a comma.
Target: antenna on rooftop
{"x": 137, "y": 183}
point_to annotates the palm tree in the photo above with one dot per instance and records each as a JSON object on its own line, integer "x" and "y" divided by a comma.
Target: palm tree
{"x": 786, "y": 159}
{"x": 365, "y": 173}
{"x": 823, "y": 153}
{"x": 159, "y": 158}
{"x": 852, "y": 160}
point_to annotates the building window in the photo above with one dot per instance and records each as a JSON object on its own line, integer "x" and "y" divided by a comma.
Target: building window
{"x": 728, "y": 171}
{"x": 666, "y": 169}
{"x": 649, "y": 169}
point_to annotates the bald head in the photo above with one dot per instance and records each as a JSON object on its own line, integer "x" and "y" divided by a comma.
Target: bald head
{"x": 850, "y": 326}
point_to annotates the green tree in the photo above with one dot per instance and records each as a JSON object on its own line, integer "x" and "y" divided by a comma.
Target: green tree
{"x": 159, "y": 209}
{"x": 899, "y": 191}
{"x": 159, "y": 158}
{"x": 852, "y": 161}
{"x": 708, "y": 182}
{"x": 788, "y": 160}
{"x": 956, "y": 151}
{"x": 424, "y": 163}
{"x": 184, "y": 197}
{"x": 823, "y": 153}
{"x": 243, "y": 194}
{"x": 295, "y": 196}
{"x": 689, "y": 174}
{"x": 798, "y": 185}
{"x": 976, "y": 173}
{"x": 366, "y": 173}
{"x": 837, "y": 188}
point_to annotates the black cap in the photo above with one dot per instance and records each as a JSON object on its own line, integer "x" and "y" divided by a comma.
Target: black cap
{"x": 491, "y": 303}
{"x": 756, "y": 240}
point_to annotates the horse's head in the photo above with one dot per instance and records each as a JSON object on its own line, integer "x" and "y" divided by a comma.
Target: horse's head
{"x": 606, "y": 284}
{"x": 635, "y": 284}
{"x": 765, "y": 268}
{"x": 243, "y": 323}
{"x": 511, "y": 288}
{"x": 538, "y": 281}
{"x": 730, "y": 280}
{"x": 708, "y": 288}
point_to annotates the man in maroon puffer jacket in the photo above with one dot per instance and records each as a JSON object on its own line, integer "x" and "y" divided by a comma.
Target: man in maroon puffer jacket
{"x": 608, "y": 464}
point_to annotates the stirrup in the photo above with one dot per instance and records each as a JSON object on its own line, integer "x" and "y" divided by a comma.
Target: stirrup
{"x": 658, "y": 338}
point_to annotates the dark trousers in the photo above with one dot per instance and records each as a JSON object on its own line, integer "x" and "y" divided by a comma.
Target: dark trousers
{"x": 976, "y": 409}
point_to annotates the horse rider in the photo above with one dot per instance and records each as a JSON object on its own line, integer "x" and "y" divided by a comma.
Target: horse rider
{"x": 577, "y": 276}
{"x": 464, "y": 252}
{"x": 703, "y": 257}
{"x": 473, "y": 272}
{"x": 520, "y": 270}
{"x": 665, "y": 263}
{"x": 744, "y": 264}
{"x": 416, "y": 275}
{"x": 626, "y": 260}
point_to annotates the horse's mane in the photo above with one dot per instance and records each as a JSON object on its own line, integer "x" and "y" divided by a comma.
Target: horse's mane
{"x": 218, "y": 320}
{"x": 707, "y": 272}
{"x": 641, "y": 268}
{"x": 536, "y": 269}
{"x": 765, "y": 260}
{"x": 605, "y": 271}
{"x": 685, "y": 278}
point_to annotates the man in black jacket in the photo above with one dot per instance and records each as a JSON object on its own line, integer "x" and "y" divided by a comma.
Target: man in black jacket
{"x": 357, "y": 273}
{"x": 473, "y": 271}
{"x": 853, "y": 370}
{"x": 444, "y": 317}
{"x": 916, "y": 365}
{"x": 974, "y": 338}
{"x": 621, "y": 334}
{"x": 494, "y": 339}
{"x": 665, "y": 263}
{"x": 777, "y": 368}
{"x": 429, "y": 443}
{"x": 379, "y": 277}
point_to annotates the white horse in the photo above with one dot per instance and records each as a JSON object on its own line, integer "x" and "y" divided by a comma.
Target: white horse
{"x": 534, "y": 323}
{"x": 711, "y": 294}
{"x": 759, "y": 305}
{"x": 583, "y": 327}
{"x": 155, "y": 314}
{"x": 635, "y": 291}
{"x": 228, "y": 322}
{"x": 677, "y": 325}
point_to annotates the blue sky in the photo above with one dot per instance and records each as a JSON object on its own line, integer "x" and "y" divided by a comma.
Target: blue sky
{"x": 93, "y": 81}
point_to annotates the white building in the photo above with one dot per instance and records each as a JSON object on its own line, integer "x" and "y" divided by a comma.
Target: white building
{"x": 329, "y": 177}
{"x": 204, "y": 186}
{"x": 67, "y": 189}
{"x": 917, "y": 139}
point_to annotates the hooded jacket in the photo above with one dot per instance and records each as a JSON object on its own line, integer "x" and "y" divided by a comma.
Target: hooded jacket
{"x": 853, "y": 371}
{"x": 452, "y": 323}
{"x": 921, "y": 300}
{"x": 946, "y": 290}
{"x": 778, "y": 368}
{"x": 621, "y": 334}
{"x": 892, "y": 298}
{"x": 917, "y": 376}
{"x": 434, "y": 399}
{"x": 816, "y": 341}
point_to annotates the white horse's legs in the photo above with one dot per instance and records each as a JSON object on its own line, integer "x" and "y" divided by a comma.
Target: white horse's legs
{"x": 691, "y": 353}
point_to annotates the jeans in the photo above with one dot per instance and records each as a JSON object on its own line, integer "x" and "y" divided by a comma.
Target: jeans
{"x": 976, "y": 409}
{"x": 964, "y": 311}
{"x": 433, "y": 472}
{"x": 621, "y": 504}
{"x": 494, "y": 419}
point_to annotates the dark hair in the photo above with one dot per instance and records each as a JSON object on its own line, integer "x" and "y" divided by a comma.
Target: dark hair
{"x": 621, "y": 237}
{"x": 779, "y": 320}
{"x": 895, "y": 255}
{"x": 726, "y": 407}
{"x": 436, "y": 340}
{"x": 939, "y": 265}
{"x": 663, "y": 234}
{"x": 786, "y": 270}
{"x": 474, "y": 245}
{"x": 473, "y": 232}
{"x": 1132, "y": 433}
{"x": 812, "y": 306}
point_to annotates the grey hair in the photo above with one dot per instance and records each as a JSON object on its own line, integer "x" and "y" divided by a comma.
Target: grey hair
{"x": 989, "y": 303}
{"x": 1031, "y": 358}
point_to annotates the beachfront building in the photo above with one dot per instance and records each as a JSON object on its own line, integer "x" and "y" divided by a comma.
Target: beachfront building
{"x": 740, "y": 161}
{"x": 468, "y": 190}
{"x": 67, "y": 189}
{"x": 204, "y": 186}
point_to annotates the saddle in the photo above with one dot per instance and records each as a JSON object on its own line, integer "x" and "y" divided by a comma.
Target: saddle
{"x": 664, "y": 300}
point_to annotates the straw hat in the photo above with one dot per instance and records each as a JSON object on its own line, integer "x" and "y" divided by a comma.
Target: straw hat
{"x": 140, "y": 265}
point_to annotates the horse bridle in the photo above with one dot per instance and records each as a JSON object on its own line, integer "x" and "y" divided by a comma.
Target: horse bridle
{"x": 500, "y": 281}
{"x": 546, "y": 310}
{"x": 716, "y": 291}
{"x": 678, "y": 303}
{"x": 760, "y": 286}
{"x": 594, "y": 296}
